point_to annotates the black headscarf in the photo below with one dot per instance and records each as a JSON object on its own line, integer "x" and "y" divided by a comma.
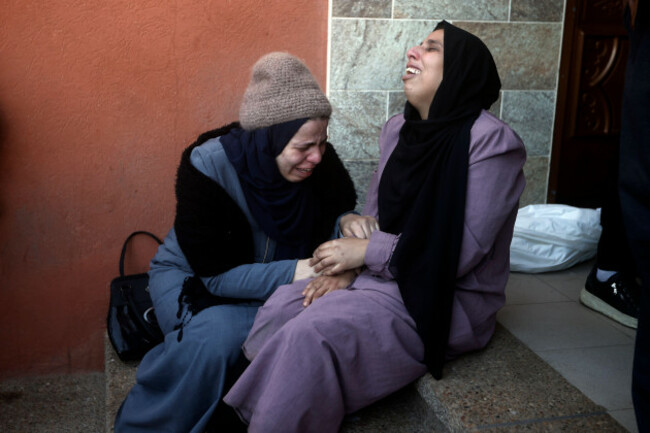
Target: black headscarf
{"x": 213, "y": 232}
{"x": 284, "y": 210}
{"x": 423, "y": 187}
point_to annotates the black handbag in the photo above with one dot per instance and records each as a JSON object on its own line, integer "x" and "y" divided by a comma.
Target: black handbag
{"x": 131, "y": 321}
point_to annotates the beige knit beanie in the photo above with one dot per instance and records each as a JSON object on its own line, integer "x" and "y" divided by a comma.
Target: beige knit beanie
{"x": 281, "y": 89}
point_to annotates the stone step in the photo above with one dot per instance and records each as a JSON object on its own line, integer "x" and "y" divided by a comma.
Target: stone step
{"x": 506, "y": 388}
{"x": 503, "y": 388}
{"x": 403, "y": 412}
{"x": 120, "y": 377}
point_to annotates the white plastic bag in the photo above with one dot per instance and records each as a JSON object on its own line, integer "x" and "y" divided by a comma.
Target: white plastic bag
{"x": 550, "y": 237}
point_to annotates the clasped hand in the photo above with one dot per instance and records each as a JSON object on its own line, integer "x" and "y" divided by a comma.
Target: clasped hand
{"x": 339, "y": 255}
{"x": 337, "y": 261}
{"x": 324, "y": 284}
{"x": 358, "y": 226}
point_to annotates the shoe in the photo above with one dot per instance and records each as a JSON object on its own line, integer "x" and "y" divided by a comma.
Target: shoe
{"x": 617, "y": 298}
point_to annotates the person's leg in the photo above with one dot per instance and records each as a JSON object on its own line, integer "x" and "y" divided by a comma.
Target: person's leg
{"x": 282, "y": 306}
{"x": 613, "y": 252}
{"x": 641, "y": 366}
{"x": 635, "y": 194}
{"x": 224, "y": 418}
{"x": 347, "y": 350}
{"x": 179, "y": 384}
{"x": 637, "y": 223}
{"x": 611, "y": 287}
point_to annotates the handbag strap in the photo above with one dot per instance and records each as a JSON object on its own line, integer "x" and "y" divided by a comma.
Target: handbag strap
{"x": 126, "y": 242}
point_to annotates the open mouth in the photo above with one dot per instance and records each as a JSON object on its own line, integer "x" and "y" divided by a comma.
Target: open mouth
{"x": 412, "y": 71}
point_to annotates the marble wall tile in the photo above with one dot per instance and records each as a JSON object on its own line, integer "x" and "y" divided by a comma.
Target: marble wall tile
{"x": 486, "y": 10}
{"x": 368, "y": 58}
{"x": 536, "y": 172}
{"x": 537, "y": 10}
{"x": 496, "y": 107}
{"x": 371, "y": 54}
{"x": 357, "y": 118}
{"x": 362, "y": 8}
{"x": 396, "y": 102}
{"x": 527, "y": 55}
{"x": 361, "y": 173}
{"x": 530, "y": 114}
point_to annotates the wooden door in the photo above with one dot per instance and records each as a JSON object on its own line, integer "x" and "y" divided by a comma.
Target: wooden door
{"x": 588, "y": 109}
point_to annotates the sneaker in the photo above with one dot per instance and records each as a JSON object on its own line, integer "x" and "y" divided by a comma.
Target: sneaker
{"x": 617, "y": 298}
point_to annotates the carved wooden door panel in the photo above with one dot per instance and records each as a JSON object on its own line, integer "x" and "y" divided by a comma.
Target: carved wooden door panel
{"x": 588, "y": 110}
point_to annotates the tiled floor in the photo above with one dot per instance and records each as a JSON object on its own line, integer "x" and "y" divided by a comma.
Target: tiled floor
{"x": 591, "y": 351}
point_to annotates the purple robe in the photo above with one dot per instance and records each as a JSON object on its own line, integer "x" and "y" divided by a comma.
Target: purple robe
{"x": 310, "y": 366}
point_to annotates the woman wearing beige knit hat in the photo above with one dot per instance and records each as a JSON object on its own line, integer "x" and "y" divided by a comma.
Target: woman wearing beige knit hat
{"x": 254, "y": 199}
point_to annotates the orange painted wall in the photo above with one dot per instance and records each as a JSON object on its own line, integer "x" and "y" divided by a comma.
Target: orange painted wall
{"x": 97, "y": 101}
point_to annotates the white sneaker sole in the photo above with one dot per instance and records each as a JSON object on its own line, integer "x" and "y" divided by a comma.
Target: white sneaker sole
{"x": 597, "y": 304}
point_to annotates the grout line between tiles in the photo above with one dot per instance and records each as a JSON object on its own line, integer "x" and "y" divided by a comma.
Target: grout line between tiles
{"x": 606, "y": 346}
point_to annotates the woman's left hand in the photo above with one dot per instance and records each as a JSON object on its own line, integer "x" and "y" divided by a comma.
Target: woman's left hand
{"x": 339, "y": 255}
{"x": 322, "y": 285}
{"x": 358, "y": 226}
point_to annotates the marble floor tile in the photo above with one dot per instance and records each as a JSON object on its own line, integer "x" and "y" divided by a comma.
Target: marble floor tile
{"x": 527, "y": 289}
{"x": 630, "y": 332}
{"x": 568, "y": 282}
{"x": 591, "y": 351}
{"x": 569, "y": 286}
{"x": 604, "y": 374}
{"x": 627, "y": 419}
{"x": 560, "y": 325}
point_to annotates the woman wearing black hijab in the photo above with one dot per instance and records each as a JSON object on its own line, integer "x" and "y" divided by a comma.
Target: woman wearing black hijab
{"x": 432, "y": 276}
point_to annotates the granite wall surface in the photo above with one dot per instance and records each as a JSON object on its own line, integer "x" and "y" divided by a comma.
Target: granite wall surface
{"x": 369, "y": 40}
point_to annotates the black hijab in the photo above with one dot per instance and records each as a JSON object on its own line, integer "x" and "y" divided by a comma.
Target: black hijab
{"x": 284, "y": 210}
{"x": 423, "y": 187}
{"x": 214, "y": 233}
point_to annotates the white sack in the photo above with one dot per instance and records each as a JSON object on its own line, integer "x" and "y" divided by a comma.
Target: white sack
{"x": 550, "y": 237}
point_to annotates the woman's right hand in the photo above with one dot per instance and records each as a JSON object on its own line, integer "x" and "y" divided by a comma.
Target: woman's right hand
{"x": 338, "y": 255}
{"x": 304, "y": 270}
{"x": 358, "y": 226}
